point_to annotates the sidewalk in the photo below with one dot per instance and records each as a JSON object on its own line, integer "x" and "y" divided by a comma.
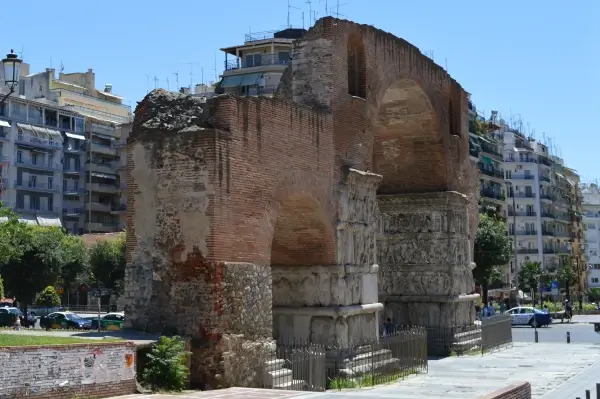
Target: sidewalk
{"x": 591, "y": 319}
{"x": 550, "y": 368}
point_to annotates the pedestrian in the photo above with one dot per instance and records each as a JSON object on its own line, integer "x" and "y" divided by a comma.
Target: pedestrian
{"x": 18, "y": 323}
{"x": 388, "y": 327}
{"x": 502, "y": 307}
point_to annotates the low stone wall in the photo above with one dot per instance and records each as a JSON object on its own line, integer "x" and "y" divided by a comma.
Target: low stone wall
{"x": 518, "y": 390}
{"x": 66, "y": 371}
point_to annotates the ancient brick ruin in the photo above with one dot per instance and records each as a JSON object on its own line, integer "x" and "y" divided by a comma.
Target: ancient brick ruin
{"x": 347, "y": 198}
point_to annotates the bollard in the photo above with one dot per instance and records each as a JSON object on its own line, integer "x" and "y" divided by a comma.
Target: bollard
{"x": 535, "y": 333}
{"x": 588, "y": 394}
{"x": 568, "y": 337}
{"x": 598, "y": 391}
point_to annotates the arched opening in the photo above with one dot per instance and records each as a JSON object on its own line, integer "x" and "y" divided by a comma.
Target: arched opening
{"x": 408, "y": 150}
{"x": 302, "y": 244}
{"x": 357, "y": 67}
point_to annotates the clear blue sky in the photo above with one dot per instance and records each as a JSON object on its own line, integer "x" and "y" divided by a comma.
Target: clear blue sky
{"x": 533, "y": 58}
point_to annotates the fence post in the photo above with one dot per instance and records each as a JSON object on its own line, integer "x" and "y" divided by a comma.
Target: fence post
{"x": 598, "y": 391}
{"x": 588, "y": 395}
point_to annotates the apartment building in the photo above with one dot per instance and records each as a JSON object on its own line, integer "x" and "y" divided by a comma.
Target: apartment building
{"x": 91, "y": 158}
{"x": 256, "y": 67}
{"x": 591, "y": 221}
{"x": 32, "y": 148}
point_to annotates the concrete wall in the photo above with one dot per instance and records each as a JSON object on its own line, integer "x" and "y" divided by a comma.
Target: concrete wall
{"x": 65, "y": 371}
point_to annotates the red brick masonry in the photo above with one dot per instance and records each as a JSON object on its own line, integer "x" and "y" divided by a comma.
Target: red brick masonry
{"x": 518, "y": 390}
{"x": 64, "y": 363}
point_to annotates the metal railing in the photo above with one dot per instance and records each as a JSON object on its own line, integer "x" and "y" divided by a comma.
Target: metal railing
{"x": 521, "y": 160}
{"x": 521, "y": 213}
{"x": 527, "y": 251}
{"x": 30, "y": 185}
{"x": 545, "y": 178}
{"x": 521, "y": 176}
{"x": 523, "y": 232}
{"x": 496, "y": 333}
{"x": 265, "y": 59}
{"x": 492, "y": 172}
{"x": 521, "y": 195}
{"x": 588, "y": 393}
{"x": 545, "y": 196}
{"x": 491, "y": 193}
{"x": 38, "y": 165}
{"x": 36, "y": 141}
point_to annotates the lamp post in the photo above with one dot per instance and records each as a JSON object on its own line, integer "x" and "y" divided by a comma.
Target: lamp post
{"x": 12, "y": 72}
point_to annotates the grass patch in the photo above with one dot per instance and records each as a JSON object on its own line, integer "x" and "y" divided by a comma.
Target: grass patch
{"x": 33, "y": 340}
{"x": 369, "y": 380}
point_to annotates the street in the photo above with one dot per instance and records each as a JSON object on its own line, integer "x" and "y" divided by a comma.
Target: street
{"x": 557, "y": 333}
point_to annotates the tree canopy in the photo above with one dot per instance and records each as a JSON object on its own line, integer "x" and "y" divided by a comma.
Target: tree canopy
{"x": 107, "y": 263}
{"x": 48, "y": 297}
{"x": 492, "y": 249}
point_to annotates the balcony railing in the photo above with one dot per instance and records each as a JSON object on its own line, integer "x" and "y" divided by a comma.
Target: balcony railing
{"x": 102, "y": 187}
{"x": 545, "y": 161}
{"x": 266, "y": 59}
{"x": 74, "y": 148}
{"x": 36, "y": 209}
{"x": 548, "y": 215}
{"x": 523, "y": 232}
{"x": 491, "y": 193}
{"x": 521, "y": 176}
{"x": 36, "y": 186}
{"x": 491, "y": 172}
{"x": 545, "y": 178}
{"x": 549, "y": 251}
{"x": 562, "y": 234}
{"x": 73, "y": 211}
{"x": 38, "y": 142}
{"x": 71, "y": 190}
{"x": 521, "y": 195}
{"x": 527, "y": 251}
{"x": 521, "y": 160}
{"x": 547, "y": 232}
{"x": 545, "y": 196}
{"x": 72, "y": 169}
{"x": 38, "y": 165}
{"x": 521, "y": 213}
{"x": 490, "y": 149}
{"x": 562, "y": 249}
{"x": 563, "y": 217}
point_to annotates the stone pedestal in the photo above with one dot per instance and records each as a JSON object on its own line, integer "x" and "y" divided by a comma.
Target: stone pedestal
{"x": 425, "y": 274}
{"x": 335, "y": 305}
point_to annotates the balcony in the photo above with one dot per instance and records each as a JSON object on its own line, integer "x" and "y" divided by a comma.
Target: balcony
{"x": 103, "y": 188}
{"x": 545, "y": 179}
{"x": 35, "y": 186}
{"x": 73, "y": 170}
{"x": 29, "y": 164}
{"x": 523, "y": 233}
{"x": 521, "y": 176}
{"x": 491, "y": 149}
{"x": 72, "y": 211}
{"x": 546, "y": 197}
{"x": 527, "y": 251}
{"x": 563, "y": 217}
{"x": 35, "y": 141}
{"x": 548, "y": 232}
{"x": 101, "y": 227}
{"x": 498, "y": 174}
{"x": 549, "y": 215}
{"x": 74, "y": 148}
{"x": 565, "y": 234}
{"x": 545, "y": 161}
{"x": 491, "y": 193}
{"x": 521, "y": 160}
{"x": 4, "y": 136}
{"x": 119, "y": 208}
{"x": 521, "y": 195}
{"x": 101, "y": 167}
{"x": 36, "y": 209}
{"x": 98, "y": 207}
{"x": 562, "y": 249}
{"x": 72, "y": 190}
{"x": 265, "y": 60}
{"x": 102, "y": 148}
{"x": 521, "y": 213}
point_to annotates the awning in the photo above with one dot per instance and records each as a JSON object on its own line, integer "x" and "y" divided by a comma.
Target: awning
{"x": 92, "y": 116}
{"x": 48, "y": 221}
{"x": 40, "y": 131}
{"x": 28, "y": 219}
{"x": 75, "y": 136}
{"x": 103, "y": 136}
{"x": 515, "y": 149}
{"x": 54, "y": 133}
{"x": 487, "y": 160}
{"x": 248, "y": 79}
{"x": 104, "y": 176}
{"x": 4, "y": 124}
{"x": 27, "y": 127}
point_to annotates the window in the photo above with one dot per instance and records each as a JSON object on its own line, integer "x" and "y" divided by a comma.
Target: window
{"x": 51, "y": 118}
{"x": 32, "y": 181}
{"x": 284, "y": 57}
{"x": 79, "y": 125}
{"x": 253, "y": 60}
{"x": 50, "y": 181}
{"x": 356, "y": 67}
{"x": 18, "y": 111}
{"x": 34, "y": 158}
{"x": 65, "y": 185}
{"x": 594, "y": 280}
{"x": 50, "y": 201}
{"x": 36, "y": 115}
{"x": 19, "y": 156}
{"x": 64, "y": 122}
{"x": 76, "y": 184}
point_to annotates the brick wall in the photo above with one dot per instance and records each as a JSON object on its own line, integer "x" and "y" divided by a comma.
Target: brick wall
{"x": 65, "y": 371}
{"x": 518, "y": 390}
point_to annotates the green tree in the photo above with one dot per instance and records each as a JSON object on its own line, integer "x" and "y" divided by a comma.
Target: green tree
{"x": 166, "y": 368}
{"x": 107, "y": 262}
{"x": 531, "y": 276}
{"x": 593, "y": 294}
{"x": 492, "y": 249}
{"x": 75, "y": 261}
{"x": 48, "y": 297}
{"x": 11, "y": 229}
{"x": 1, "y": 288}
{"x": 567, "y": 276}
{"x": 40, "y": 262}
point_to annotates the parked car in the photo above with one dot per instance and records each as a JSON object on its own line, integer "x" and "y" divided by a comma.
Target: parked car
{"x": 524, "y": 315}
{"x": 111, "y": 321}
{"x": 65, "y": 320}
{"x": 8, "y": 316}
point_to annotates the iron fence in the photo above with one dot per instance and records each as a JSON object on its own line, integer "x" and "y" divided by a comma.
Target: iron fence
{"x": 496, "y": 332}
{"x": 314, "y": 367}
{"x": 588, "y": 393}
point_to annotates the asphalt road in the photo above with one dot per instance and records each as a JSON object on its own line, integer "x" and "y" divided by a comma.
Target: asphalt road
{"x": 557, "y": 333}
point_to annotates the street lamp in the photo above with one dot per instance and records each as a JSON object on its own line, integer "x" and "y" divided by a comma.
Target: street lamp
{"x": 12, "y": 72}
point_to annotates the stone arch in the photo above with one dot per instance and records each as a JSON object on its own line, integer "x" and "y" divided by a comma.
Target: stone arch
{"x": 356, "y": 66}
{"x": 409, "y": 150}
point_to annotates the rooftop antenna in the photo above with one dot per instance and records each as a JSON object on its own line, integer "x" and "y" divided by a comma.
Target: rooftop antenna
{"x": 155, "y": 82}
{"x": 290, "y": 7}
{"x": 168, "y": 84}
{"x": 62, "y": 67}
{"x": 147, "y": 84}
{"x": 176, "y": 80}
{"x": 215, "y": 70}
{"x": 21, "y": 52}
{"x": 337, "y": 8}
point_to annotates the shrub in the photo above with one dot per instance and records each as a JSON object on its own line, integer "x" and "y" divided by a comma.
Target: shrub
{"x": 166, "y": 367}
{"x": 48, "y": 297}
